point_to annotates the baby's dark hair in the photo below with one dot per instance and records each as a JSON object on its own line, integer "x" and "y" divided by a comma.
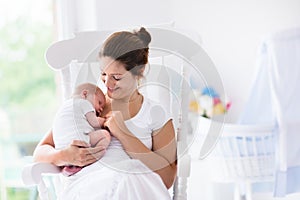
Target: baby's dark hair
{"x": 129, "y": 48}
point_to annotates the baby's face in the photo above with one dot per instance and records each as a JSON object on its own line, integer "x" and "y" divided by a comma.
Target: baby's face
{"x": 99, "y": 102}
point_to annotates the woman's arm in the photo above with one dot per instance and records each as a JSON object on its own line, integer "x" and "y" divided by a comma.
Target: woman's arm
{"x": 161, "y": 159}
{"x": 165, "y": 145}
{"x": 77, "y": 153}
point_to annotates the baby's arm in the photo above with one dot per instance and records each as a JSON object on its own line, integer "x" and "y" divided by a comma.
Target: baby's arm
{"x": 94, "y": 121}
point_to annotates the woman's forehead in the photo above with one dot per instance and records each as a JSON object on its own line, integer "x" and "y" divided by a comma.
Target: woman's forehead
{"x": 111, "y": 66}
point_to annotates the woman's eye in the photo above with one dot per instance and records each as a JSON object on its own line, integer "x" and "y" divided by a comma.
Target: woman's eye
{"x": 117, "y": 78}
{"x": 103, "y": 76}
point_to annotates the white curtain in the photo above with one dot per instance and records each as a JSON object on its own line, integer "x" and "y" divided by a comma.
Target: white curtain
{"x": 275, "y": 96}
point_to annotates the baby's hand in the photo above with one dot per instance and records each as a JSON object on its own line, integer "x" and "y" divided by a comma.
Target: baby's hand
{"x": 101, "y": 120}
{"x": 115, "y": 124}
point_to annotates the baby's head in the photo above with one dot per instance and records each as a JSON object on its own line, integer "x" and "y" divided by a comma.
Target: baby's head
{"x": 93, "y": 94}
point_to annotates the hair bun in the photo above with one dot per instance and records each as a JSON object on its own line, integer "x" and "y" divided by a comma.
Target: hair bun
{"x": 144, "y": 35}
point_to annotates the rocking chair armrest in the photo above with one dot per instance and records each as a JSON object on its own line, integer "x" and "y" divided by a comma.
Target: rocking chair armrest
{"x": 32, "y": 173}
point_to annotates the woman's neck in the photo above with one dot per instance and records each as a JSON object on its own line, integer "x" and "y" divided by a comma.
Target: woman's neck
{"x": 129, "y": 107}
{"x": 136, "y": 96}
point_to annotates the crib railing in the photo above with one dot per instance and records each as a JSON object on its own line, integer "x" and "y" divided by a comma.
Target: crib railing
{"x": 244, "y": 154}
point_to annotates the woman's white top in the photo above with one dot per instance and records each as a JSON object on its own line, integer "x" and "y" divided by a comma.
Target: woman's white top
{"x": 151, "y": 117}
{"x": 116, "y": 175}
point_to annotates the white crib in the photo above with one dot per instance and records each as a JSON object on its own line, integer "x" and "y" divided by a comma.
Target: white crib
{"x": 244, "y": 154}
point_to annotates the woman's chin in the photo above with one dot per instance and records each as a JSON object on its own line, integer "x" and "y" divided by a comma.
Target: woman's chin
{"x": 109, "y": 94}
{"x": 113, "y": 95}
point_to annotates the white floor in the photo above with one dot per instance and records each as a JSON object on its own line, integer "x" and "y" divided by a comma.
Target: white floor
{"x": 269, "y": 197}
{"x": 201, "y": 187}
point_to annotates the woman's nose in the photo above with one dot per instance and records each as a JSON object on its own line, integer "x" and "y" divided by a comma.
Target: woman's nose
{"x": 108, "y": 81}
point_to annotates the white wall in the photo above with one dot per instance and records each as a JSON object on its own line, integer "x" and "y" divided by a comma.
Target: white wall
{"x": 78, "y": 15}
{"x": 115, "y": 14}
{"x": 231, "y": 31}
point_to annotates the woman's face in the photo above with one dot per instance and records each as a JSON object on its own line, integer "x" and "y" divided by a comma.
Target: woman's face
{"x": 120, "y": 83}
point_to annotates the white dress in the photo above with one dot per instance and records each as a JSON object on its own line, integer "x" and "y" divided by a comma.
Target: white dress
{"x": 118, "y": 177}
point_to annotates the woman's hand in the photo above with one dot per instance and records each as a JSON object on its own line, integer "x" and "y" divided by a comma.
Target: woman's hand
{"x": 80, "y": 153}
{"x": 115, "y": 123}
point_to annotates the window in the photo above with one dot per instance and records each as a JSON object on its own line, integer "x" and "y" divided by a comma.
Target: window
{"x": 28, "y": 99}
{"x": 27, "y": 83}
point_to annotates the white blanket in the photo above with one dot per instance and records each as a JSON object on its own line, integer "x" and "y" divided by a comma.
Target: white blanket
{"x": 126, "y": 180}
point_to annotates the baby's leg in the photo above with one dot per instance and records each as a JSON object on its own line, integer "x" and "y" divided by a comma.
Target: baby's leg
{"x": 100, "y": 137}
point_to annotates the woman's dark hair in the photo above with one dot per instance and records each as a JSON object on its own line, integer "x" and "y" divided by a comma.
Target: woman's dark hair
{"x": 129, "y": 48}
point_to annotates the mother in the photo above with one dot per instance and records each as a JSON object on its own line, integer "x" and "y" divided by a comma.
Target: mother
{"x": 140, "y": 162}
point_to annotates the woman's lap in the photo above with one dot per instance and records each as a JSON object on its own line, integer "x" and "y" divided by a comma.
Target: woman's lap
{"x": 128, "y": 179}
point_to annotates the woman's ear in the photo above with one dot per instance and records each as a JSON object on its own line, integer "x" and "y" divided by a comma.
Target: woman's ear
{"x": 141, "y": 72}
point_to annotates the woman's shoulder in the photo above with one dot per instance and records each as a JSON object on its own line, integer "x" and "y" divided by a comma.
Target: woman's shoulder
{"x": 158, "y": 113}
{"x": 147, "y": 100}
{"x": 151, "y": 102}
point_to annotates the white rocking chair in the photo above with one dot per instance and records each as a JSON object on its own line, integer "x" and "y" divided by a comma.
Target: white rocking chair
{"x": 77, "y": 61}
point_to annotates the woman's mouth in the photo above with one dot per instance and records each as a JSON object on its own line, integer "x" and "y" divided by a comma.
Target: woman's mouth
{"x": 111, "y": 90}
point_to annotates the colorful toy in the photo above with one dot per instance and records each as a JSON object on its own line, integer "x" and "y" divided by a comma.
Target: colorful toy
{"x": 208, "y": 103}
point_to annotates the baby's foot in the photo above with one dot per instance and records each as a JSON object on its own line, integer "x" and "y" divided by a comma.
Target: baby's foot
{"x": 70, "y": 170}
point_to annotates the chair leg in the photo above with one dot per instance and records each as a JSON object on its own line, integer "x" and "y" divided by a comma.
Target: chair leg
{"x": 237, "y": 194}
{"x": 243, "y": 191}
{"x": 248, "y": 191}
{"x": 33, "y": 194}
{"x": 42, "y": 190}
{"x": 180, "y": 189}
